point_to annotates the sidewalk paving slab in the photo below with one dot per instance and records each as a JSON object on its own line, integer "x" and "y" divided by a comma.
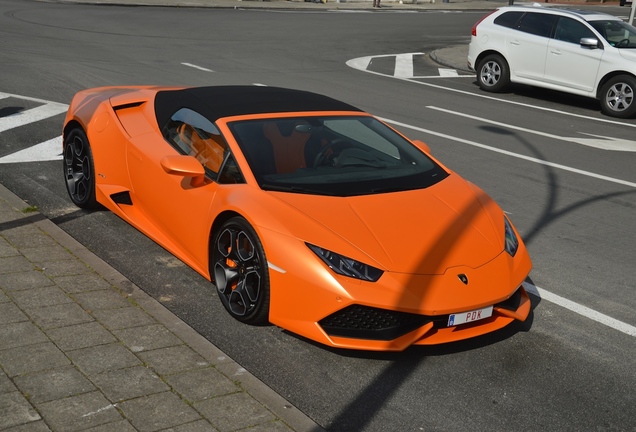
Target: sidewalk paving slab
{"x": 83, "y": 348}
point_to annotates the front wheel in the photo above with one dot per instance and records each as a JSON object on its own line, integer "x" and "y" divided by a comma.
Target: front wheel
{"x": 79, "y": 170}
{"x": 493, "y": 73}
{"x": 240, "y": 272}
{"x": 617, "y": 96}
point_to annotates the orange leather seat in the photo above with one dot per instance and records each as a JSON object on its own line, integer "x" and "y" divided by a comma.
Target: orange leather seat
{"x": 289, "y": 150}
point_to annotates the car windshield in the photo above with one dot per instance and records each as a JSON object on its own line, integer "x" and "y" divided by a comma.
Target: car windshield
{"x": 619, "y": 34}
{"x": 338, "y": 156}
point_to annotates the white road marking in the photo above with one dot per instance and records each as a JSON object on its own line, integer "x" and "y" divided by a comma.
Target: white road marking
{"x": 46, "y": 151}
{"x": 197, "y": 67}
{"x": 603, "y": 120}
{"x": 580, "y": 309}
{"x": 22, "y": 118}
{"x": 444, "y": 72}
{"x": 468, "y": 93}
{"x": 403, "y": 65}
{"x": 32, "y": 99}
{"x": 600, "y": 142}
{"x": 516, "y": 155}
{"x": 361, "y": 63}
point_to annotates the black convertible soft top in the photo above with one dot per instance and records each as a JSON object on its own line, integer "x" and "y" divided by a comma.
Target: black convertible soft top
{"x": 225, "y": 101}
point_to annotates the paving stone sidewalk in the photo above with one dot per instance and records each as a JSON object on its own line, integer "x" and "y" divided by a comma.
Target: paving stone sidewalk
{"x": 82, "y": 348}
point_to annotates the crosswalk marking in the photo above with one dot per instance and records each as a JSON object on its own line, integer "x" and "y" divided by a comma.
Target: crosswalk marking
{"x": 21, "y": 118}
{"x": 31, "y": 115}
{"x": 48, "y": 150}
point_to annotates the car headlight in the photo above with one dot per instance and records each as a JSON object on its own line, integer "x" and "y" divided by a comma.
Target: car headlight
{"x": 512, "y": 242}
{"x": 346, "y": 266}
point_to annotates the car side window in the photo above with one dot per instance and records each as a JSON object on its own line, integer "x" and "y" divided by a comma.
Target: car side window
{"x": 194, "y": 135}
{"x": 569, "y": 30}
{"x": 508, "y": 19}
{"x": 539, "y": 24}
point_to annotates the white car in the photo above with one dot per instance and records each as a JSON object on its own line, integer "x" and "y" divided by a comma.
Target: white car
{"x": 585, "y": 53}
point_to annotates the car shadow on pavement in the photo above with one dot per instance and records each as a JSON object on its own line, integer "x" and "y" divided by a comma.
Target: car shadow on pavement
{"x": 530, "y": 93}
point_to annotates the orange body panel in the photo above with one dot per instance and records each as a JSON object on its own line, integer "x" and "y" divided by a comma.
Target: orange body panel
{"x": 422, "y": 240}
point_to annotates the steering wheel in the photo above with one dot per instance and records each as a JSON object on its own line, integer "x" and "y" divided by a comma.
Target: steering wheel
{"x": 327, "y": 153}
{"x": 622, "y": 43}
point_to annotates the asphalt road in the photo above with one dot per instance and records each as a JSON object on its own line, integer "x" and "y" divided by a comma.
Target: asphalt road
{"x": 569, "y": 367}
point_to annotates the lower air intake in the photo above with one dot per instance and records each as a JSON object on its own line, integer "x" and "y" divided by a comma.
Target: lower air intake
{"x": 363, "y": 322}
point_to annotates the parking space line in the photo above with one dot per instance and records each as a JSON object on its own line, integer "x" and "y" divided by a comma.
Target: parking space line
{"x": 599, "y": 141}
{"x": 197, "y": 67}
{"x": 516, "y": 155}
{"x": 580, "y": 309}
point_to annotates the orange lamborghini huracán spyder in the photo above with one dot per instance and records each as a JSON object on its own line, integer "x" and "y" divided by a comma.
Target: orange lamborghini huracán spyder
{"x": 304, "y": 212}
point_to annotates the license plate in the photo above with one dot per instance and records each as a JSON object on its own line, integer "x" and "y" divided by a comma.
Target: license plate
{"x": 466, "y": 317}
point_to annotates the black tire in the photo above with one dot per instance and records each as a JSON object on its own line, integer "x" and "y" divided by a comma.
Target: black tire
{"x": 240, "y": 272}
{"x": 617, "y": 96}
{"x": 493, "y": 73}
{"x": 79, "y": 170}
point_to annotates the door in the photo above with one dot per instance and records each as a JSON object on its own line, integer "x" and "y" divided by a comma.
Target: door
{"x": 176, "y": 207}
{"x": 528, "y": 45}
{"x": 569, "y": 64}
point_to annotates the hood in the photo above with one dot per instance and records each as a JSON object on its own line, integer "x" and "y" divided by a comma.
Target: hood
{"x": 423, "y": 231}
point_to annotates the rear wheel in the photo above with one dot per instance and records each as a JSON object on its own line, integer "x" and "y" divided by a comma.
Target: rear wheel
{"x": 79, "y": 170}
{"x": 617, "y": 96}
{"x": 493, "y": 73}
{"x": 240, "y": 272}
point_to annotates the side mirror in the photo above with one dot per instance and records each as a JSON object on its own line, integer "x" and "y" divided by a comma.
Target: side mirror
{"x": 422, "y": 146}
{"x": 184, "y": 166}
{"x": 591, "y": 43}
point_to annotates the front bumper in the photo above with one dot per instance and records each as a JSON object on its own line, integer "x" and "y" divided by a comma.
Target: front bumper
{"x": 368, "y": 328}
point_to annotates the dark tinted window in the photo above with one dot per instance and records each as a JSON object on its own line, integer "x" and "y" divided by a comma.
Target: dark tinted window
{"x": 333, "y": 155}
{"x": 539, "y": 24}
{"x": 508, "y": 19}
{"x": 570, "y": 30}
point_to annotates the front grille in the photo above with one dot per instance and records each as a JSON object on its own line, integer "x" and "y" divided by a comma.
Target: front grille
{"x": 364, "y": 322}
